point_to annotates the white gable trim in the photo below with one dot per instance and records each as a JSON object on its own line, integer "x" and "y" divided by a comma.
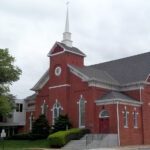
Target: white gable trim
{"x": 43, "y": 80}
{"x": 119, "y": 101}
{"x": 64, "y": 50}
{"x": 78, "y": 73}
{"x": 59, "y": 86}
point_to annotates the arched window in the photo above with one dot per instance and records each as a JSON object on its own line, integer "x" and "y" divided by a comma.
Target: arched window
{"x": 135, "y": 113}
{"x": 81, "y": 112}
{"x": 31, "y": 121}
{"x": 44, "y": 108}
{"x": 125, "y": 117}
{"x": 104, "y": 114}
{"x": 56, "y": 111}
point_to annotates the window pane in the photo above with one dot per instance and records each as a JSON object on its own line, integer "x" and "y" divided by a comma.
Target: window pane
{"x": 44, "y": 109}
{"x": 59, "y": 112}
{"x": 21, "y": 107}
{"x": 82, "y": 112}
{"x": 17, "y": 107}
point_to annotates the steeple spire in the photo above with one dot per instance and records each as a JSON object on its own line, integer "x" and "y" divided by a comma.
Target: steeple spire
{"x": 67, "y": 35}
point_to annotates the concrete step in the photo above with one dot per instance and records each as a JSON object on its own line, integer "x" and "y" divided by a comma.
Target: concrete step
{"x": 76, "y": 144}
{"x": 90, "y": 141}
{"x": 108, "y": 140}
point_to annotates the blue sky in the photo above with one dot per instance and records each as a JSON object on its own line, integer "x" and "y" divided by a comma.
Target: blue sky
{"x": 103, "y": 29}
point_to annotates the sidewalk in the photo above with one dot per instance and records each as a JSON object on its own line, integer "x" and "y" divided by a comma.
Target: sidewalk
{"x": 137, "y": 147}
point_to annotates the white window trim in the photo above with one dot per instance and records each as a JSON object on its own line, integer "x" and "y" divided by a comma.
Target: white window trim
{"x": 53, "y": 110}
{"x": 31, "y": 118}
{"x": 136, "y": 118}
{"x": 42, "y": 106}
{"x": 100, "y": 115}
{"x": 127, "y": 113}
{"x": 81, "y": 97}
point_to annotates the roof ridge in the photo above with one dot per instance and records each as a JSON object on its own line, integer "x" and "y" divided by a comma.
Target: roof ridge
{"x": 105, "y": 73}
{"x": 128, "y": 57}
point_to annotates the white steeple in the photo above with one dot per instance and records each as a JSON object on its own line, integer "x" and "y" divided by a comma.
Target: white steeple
{"x": 67, "y": 35}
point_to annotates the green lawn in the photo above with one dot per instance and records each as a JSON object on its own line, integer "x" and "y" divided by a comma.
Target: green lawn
{"x": 23, "y": 144}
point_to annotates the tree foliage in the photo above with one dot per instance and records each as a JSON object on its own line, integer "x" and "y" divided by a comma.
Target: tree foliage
{"x": 9, "y": 73}
{"x": 40, "y": 128}
{"x": 62, "y": 123}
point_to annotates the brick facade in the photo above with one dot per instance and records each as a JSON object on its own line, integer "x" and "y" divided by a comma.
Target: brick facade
{"x": 67, "y": 90}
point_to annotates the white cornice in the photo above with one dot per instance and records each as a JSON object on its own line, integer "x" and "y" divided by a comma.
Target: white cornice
{"x": 59, "y": 86}
{"x": 119, "y": 101}
{"x": 93, "y": 82}
{"x": 78, "y": 73}
{"x": 43, "y": 80}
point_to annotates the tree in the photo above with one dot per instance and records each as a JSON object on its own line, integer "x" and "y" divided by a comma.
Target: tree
{"x": 9, "y": 73}
{"x": 40, "y": 128}
{"x": 62, "y": 123}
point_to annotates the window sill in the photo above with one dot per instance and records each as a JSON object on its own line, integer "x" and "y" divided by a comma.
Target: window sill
{"x": 126, "y": 127}
{"x": 135, "y": 127}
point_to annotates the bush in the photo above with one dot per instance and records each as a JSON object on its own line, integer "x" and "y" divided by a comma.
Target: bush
{"x": 61, "y": 138}
{"x": 40, "y": 128}
{"x": 61, "y": 123}
{"x": 23, "y": 136}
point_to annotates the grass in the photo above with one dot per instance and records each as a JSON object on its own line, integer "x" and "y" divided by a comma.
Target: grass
{"x": 23, "y": 144}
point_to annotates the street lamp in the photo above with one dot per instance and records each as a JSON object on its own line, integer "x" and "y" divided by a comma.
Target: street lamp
{"x": 3, "y": 135}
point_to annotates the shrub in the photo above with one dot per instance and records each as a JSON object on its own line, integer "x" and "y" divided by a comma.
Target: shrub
{"x": 61, "y": 138}
{"x": 61, "y": 123}
{"x": 23, "y": 136}
{"x": 40, "y": 128}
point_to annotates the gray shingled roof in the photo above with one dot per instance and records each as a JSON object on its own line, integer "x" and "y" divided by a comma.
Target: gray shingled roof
{"x": 31, "y": 97}
{"x": 93, "y": 73}
{"x": 72, "y": 49}
{"x": 115, "y": 95}
{"x": 43, "y": 80}
{"x": 127, "y": 70}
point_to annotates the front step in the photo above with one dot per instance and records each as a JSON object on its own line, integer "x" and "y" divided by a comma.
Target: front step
{"x": 76, "y": 144}
{"x": 108, "y": 140}
{"x": 93, "y": 141}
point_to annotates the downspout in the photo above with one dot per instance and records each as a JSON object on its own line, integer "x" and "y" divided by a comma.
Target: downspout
{"x": 142, "y": 114}
{"x": 118, "y": 124}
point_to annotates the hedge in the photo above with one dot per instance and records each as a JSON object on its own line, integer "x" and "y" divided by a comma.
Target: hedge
{"x": 23, "y": 136}
{"x": 61, "y": 138}
{"x": 26, "y": 136}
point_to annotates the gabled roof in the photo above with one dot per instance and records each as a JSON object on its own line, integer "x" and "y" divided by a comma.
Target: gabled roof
{"x": 115, "y": 95}
{"x": 94, "y": 74}
{"x": 66, "y": 48}
{"x": 127, "y": 70}
{"x": 134, "y": 69}
{"x": 31, "y": 97}
{"x": 43, "y": 80}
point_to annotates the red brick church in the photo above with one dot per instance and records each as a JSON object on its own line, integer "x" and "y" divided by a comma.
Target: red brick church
{"x": 110, "y": 97}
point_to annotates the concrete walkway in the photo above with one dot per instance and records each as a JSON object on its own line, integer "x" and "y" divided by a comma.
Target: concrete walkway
{"x": 136, "y": 147}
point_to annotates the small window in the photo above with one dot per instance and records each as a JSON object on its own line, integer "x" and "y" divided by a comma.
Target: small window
{"x": 19, "y": 107}
{"x": 44, "y": 108}
{"x": 104, "y": 114}
{"x": 135, "y": 118}
{"x": 125, "y": 118}
{"x": 31, "y": 121}
{"x": 81, "y": 112}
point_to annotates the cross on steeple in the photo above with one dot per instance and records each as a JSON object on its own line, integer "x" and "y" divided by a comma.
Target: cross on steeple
{"x": 67, "y": 35}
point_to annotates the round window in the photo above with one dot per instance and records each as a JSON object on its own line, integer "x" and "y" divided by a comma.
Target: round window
{"x": 57, "y": 71}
